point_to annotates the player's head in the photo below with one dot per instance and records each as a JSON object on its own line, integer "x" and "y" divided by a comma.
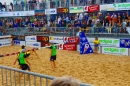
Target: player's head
{"x": 22, "y": 47}
{"x": 64, "y": 81}
{"x": 96, "y": 38}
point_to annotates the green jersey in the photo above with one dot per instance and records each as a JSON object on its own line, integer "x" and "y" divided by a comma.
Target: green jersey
{"x": 53, "y": 50}
{"x": 21, "y": 58}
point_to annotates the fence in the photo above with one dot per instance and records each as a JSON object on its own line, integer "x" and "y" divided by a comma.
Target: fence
{"x": 63, "y": 31}
{"x": 11, "y": 77}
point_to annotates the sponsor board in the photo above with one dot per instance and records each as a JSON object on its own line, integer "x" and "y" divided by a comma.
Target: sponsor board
{"x": 44, "y": 44}
{"x": 43, "y": 39}
{"x": 31, "y": 38}
{"x": 56, "y": 39}
{"x": 71, "y": 40}
{"x": 7, "y": 36}
{"x": 125, "y": 43}
{"x": 7, "y": 43}
{"x": 115, "y": 50}
{"x": 63, "y": 10}
{"x": 71, "y": 47}
{"x": 33, "y": 44}
{"x": 50, "y": 11}
{"x": 106, "y": 41}
{"x": 79, "y": 9}
{"x": 17, "y": 13}
{"x": 94, "y": 8}
{"x": 5, "y": 40}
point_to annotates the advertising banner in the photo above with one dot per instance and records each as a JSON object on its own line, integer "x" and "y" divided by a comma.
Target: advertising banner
{"x": 5, "y": 40}
{"x": 106, "y": 41}
{"x": 31, "y": 38}
{"x": 56, "y": 39}
{"x": 33, "y": 44}
{"x": 107, "y": 7}
{"x": 115, "y": 51}
{"x": 7, "y": 36}
{"x": 85, "y": 47}
{"x": 44, "y": 44}
{"x": 40, "y": 12}
{"x": 43, "y": 39}
{"x": 71, "y": 47}
{"x": 125, "y": 43}
{"x": 94, "y": 8}
{"x": 71, "y": 40}
{"x": 5, "y": 43}
{"x": 115, "y": 6}
{"x": 79, "y": 9}
{"x": 17, "y": 13}
{"x": 62, "y": 10}
{"x": 122, "y": 6}
{"x": 50, "y": 11}
{"x": 17, "y": 42}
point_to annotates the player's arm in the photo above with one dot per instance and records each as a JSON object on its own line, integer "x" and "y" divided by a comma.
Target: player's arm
{"x": 15, "y": 60}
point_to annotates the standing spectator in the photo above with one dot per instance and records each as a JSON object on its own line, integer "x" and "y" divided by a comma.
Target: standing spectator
{"x": 12, "y": 7}
{"x": 0, "y": 6}
{"x": 22, "y": 5}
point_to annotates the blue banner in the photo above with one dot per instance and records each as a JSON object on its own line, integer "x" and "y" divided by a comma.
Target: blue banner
{"x": 16, "y": 42}
{"x": 125, "y": 43}
{"x": 85, "y": 47}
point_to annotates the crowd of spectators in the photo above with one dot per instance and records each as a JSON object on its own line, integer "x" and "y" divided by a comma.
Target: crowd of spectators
{"x": 94, "y": 23}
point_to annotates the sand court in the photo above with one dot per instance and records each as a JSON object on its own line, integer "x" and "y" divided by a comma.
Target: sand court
{"x": 100, "y": 70}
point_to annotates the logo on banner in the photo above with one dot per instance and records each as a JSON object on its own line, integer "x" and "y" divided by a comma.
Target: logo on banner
{"x": 0, "y": 44}
{"x": 85, "y": 8}
{"x": 71, "y": 40}
{"x": 93, "y": 8}
{"x": 17, "y": 42}
{"x": 62, "y": 10}
{"x": 43, "y": 38}
{"x": 70, "y": 47}
{"x": 125, "y": 43}
{"x": 36, "y": 44}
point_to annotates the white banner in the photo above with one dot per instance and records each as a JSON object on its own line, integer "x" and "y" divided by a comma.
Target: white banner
{"x": 5, "y": 36}
{"x": 17, "y": 42}
{"x": 17, "y": 13}
{"x": 56, "y": 39}
{"x": 115, "y": 50}
{"x": 106, "y": 41}
{"x": 5, "y": 40}
{"x": 50, "y": 11}
{"x": 34, "y": 44}
{"x": 5, "y": 43}
{"x": 30, "y": 38}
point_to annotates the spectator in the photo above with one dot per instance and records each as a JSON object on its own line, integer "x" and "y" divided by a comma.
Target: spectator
{"x": 64, "y": 81}
{"x": 12, "y": 7}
